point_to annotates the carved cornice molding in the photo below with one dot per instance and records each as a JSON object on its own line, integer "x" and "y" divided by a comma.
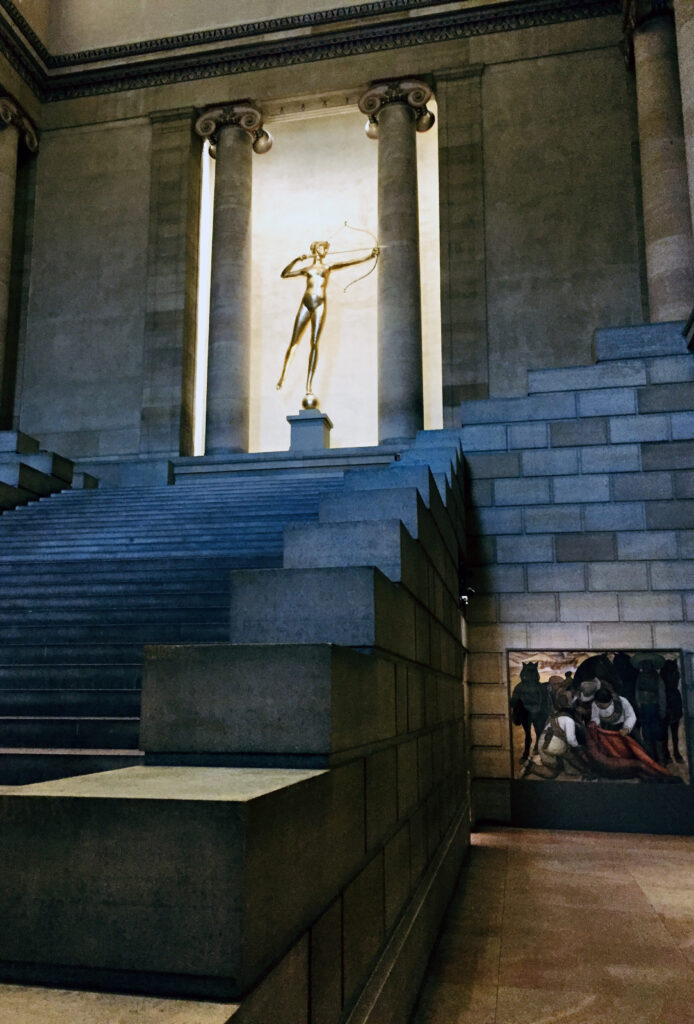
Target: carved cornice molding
{"x": 260, "y": 45}
{"x": 12, "y": 115}
{"x": 410, "y": 91}
{"x": 242, "y": 114}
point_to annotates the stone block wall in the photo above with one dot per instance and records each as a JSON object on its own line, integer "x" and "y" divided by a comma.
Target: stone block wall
{"x": 361, "y": 956}
{"x": 580, "y": 522}
{"x": 307, "y": 779}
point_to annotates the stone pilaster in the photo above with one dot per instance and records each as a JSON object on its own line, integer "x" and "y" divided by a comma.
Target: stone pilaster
{"x": 666, "y": 208}
{"x": 234, "y": 130}
{"x": 464, "y": 342}
{"x": 395, "y": 110}
{"x": 172, "y": 278}
{"x": 15, "y": 126}
{"x": 684, "y": 21}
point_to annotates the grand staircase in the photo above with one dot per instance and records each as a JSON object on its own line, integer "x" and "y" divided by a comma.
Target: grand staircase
{"x": 89, "y": 577}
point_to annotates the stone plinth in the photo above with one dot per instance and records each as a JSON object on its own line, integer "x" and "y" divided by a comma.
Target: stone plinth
{"x": 310, "y": 430}
{"x": 297, "y": 700}
{"x": 189, "y": 881}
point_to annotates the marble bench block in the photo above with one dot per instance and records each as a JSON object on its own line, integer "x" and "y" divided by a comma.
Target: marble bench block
{"x": 25, "y": 477}
{"x": 375, "y": 504}
{"x": 186, "y": 881}
{"x": 12, "y": 496}
{"x": 355, "y": 606}
{"x": 317, "y": 545}
{"x": 16, "y": 442}
{"x": 285, "y": 699}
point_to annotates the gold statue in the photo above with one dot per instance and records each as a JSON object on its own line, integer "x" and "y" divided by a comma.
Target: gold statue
{"x": 313, "y": 307}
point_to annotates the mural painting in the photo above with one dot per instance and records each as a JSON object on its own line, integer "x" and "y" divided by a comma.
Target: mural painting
{"x": 598, "y": 716}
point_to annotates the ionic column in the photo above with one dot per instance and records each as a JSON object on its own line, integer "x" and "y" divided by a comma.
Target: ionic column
{"x": 234, "y": 130}
{"x": 395, "y": 110}
{"x": 14, "y": 125}
{"x": 666, "y": 213}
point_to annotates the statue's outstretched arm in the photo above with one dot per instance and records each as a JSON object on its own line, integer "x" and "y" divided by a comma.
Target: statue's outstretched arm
{"x": 351, "y": 263}
{"x": 289, "y": 271}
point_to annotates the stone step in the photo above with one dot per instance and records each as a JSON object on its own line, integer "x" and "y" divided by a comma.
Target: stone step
{"x": 165, "y": 511}
{"x": 94, "y": 703}
{"x": 209, "y": 490}
{"x": 106, "y": 632}
{"x": 58, "y": 507}
{"x": 114, "y": 615}
{"x": 246, "y": 557}
{"x": 183, "y": 532}
{"x": 65, "y": 677}
{"x": 143, "y": 589}
{"x": 72, "y": 602}
{"x": 161, "y": 573}
{"x": 255, "y": 535}
{"x": 66, "y": 732}
{"x": 26, "y": 766}
{"x": 79, "y": 653}
{"x": 640, "y": 340}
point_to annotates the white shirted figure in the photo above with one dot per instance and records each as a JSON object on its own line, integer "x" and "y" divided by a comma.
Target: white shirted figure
{"x": 559, "y": 747}
{"x": 612, "y": 712}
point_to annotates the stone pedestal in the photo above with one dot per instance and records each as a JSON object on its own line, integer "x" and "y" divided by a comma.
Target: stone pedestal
{"x": 395, "y": 110}
{"x": 666, "y": 213}
{"x": 310, "y": 430}
{"x": 233, "y": 131}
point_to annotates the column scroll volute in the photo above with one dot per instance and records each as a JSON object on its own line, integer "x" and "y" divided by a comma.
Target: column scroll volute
{"x": 411, "y": 91}
{"x": 12, "y": 115}
{"x": 242, "y": 114}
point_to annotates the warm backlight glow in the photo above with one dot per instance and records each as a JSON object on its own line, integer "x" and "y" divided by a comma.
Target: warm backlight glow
{"x": 321, "y": 172}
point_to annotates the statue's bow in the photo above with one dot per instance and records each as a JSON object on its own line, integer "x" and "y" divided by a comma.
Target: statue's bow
{"x": 364, "y": 231}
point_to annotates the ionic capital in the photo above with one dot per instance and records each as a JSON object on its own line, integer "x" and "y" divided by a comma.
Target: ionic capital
{"x": 636, "y": 12}
{"x": 412, "y": 91}
{"x": 12, "y": 115}
{"x": 241, "y": 115}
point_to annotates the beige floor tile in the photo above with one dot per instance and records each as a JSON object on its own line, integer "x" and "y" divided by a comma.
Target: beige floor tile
{"x": 593, "y": 928}
{"x": 21, "y": 1004}
{"x": 455, "y": 1004}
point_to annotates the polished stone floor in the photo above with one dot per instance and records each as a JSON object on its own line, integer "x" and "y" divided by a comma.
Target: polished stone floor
{"x": 567, "y": 928}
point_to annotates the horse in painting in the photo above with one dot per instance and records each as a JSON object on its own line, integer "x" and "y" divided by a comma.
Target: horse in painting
{"x": 530, "y": 705}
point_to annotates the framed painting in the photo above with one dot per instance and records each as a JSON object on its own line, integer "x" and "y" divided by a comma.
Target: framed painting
{"x": 589, "y": 716}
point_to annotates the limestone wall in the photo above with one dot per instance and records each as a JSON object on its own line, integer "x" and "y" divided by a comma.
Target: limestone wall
{"x": 81, "y": 389}
{"x": 538, "y": 216}
{"x": 580, "y": 518}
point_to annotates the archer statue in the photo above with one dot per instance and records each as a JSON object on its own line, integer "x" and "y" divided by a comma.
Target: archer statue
{"x": 313, "y": 307}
